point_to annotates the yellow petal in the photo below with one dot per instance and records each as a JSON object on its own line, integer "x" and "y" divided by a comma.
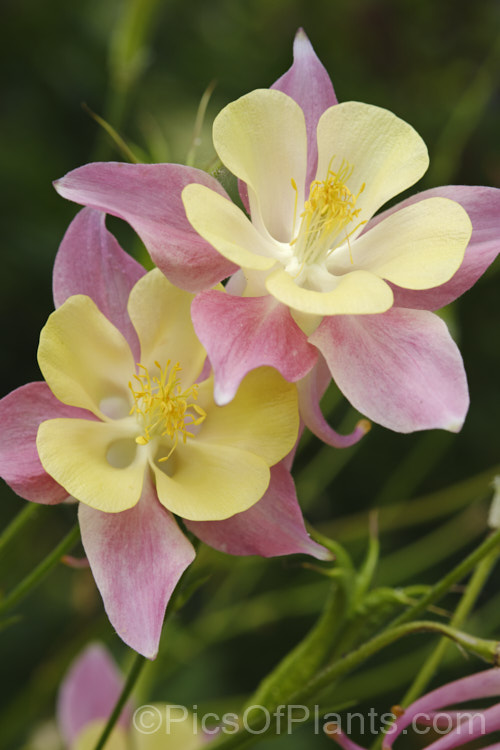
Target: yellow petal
{"x": 261, "y": 138}
{"x": 385, "y": 153}
{"x": 97, "y": 463}
{"x": 262, "y": 418}
{"x": 90, "y": 734}
{"x": 227, "y": 228}
{"x": 357, "y": 293}
{"x": 417, "y": 247}
{"x": 160, "y": 313}
{"x": 210, "y": 482}
{"x": 84, "y": 358}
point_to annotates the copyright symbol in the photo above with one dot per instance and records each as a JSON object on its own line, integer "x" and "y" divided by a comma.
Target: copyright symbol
{"x": 147, "y": 719}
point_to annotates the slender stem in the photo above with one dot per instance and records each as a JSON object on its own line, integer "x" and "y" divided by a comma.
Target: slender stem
{"x": 114, "y": 135}
{"x": 466, "y": 604}
{"x": 198, "y": 125}
{"x": 137, "y": 667}
{"x": 18, "y": 523}
{"x": 455, "y": 575}
{"x": 486, "y": 649}
{"x": 35, "y": 577}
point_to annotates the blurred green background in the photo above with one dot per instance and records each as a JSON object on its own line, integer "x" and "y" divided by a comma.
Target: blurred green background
{"x": 144, "y": 66}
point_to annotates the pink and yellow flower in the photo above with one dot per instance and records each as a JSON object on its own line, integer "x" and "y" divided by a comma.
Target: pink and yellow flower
{"x": 326, "y": 288}
{"x": 138, "y": 443}
{"x": 87, "y": 697}
{"x": 457, "y": 727}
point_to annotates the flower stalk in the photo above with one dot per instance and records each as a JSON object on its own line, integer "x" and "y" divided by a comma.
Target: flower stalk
{"x": 135, "y": 671}
{"x": 38, "y": 574}
{"x": 465, "y": 606}
{"x": 18, "y": 524}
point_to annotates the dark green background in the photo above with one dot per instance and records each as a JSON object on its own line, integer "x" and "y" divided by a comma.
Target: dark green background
{"x": 433, "y": 63}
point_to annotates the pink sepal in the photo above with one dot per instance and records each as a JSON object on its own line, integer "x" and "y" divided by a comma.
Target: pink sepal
{"x": 148, "y": 197}
{"x": 483, "y": 206}
{"x": 401, "y": 368}
{"x": 274, "y": 526}
{"x": 310, "y": 390}
{"x": 136, "y": 557}
{"x": 485, "y": 684}
{"x": 90, "y": 261}
{"x": 308, "y": 82}
{"x": 21, "y": 413}
{"x": 334, "y": 732}
{"x": 242, "y": 333}
{"x": 89, "y": 692}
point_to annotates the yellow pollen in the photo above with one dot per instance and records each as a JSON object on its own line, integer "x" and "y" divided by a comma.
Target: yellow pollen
{"x": 330, "y": 208}
{"x": 162, "y": 407}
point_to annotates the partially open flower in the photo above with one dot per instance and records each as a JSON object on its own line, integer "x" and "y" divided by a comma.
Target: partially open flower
{"x": 87, "y": 696}
{"x": 430, "y": 715}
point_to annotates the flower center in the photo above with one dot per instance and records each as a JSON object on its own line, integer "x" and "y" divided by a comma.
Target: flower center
{"x": 328, "y": 211}
{"x": 162, "y": 407}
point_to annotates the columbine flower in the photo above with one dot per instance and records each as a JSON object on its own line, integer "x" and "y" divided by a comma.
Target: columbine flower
{"x": 87, "y": 697}
{"x": 321, "y": 279}
{"x": 136, "y": 443}
{"x": 457, "y": 727}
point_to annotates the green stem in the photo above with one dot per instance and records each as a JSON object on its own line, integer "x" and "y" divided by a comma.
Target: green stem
{"x": 455, "y": 575}
{"x": 486, "y": 649}
{"x": 134, "y": 674}
{"x": 128, "y": 59}
{"x": 29, "y": 512}
{"x": 198, "y": 125}
{"x": 465, "y": 606}
{"x": 35, "y": 577}
{"x": 132, "y": 678}
{"x": 302, "y": 662}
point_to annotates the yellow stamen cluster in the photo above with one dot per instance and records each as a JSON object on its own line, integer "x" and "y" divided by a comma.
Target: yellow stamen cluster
{"x": 330, "y": 208}
{"x": 161, "y": 406}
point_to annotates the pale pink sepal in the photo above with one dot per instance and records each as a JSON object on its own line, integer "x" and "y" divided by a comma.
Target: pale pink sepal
{"x": 148, "y": 197}
{"x": 310, "y": 390}
{"x": 274, "y": 526}
{"x": 136, "y": 557}
{"x": 242, "y": 333}
{"x": 469, "y": 730}
{"x": 335, "y": 733}
{"x": 89, "y": 692}
{"x": 21, "y": 413}
{"x": 308, "y": 82}
{"x": 484, "y": 684}
{"x": 483, "y": 207}
{"x": 401, "y": 368}
{"x": 90, "y": 261}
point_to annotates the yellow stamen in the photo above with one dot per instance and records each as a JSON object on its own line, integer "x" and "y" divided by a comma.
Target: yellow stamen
{"x": 330, "y": 208}
{"x": 162, "y": 408}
